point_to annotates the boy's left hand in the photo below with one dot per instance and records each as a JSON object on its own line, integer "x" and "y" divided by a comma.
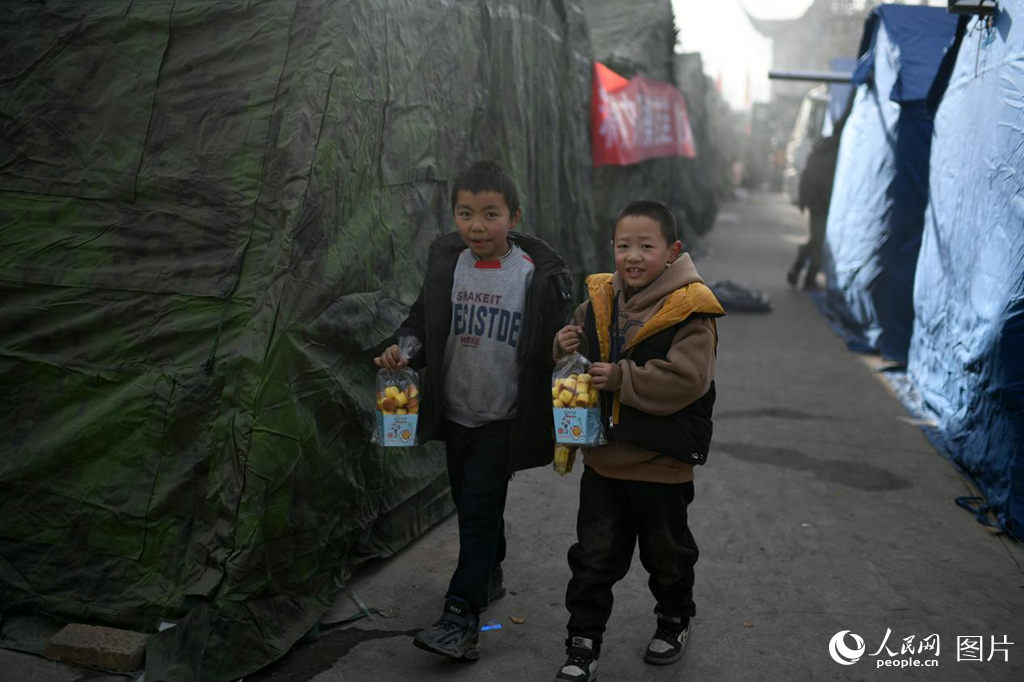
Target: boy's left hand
{"x": 606, "y": 376}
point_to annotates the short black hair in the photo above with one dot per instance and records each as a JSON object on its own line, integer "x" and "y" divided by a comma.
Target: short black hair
{"x": 487, "y": 176}
{"x": 654, "y": 210}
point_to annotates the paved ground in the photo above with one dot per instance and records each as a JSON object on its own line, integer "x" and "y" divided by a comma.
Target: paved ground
{"x": 820, "y": 511}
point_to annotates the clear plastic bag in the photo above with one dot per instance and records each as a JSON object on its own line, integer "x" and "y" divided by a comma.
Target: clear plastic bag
{"x": 576, "y": 403}
{"x": 565, "y": 457}
{"x": 398, "y": 401}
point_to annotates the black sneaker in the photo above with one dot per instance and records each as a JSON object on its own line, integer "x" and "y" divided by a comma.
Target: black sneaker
{"x": 496, "y": 589}
{"x": 581, "y": 666}
{"x": 455, "y": 634}
{"x": 668, "y": 642}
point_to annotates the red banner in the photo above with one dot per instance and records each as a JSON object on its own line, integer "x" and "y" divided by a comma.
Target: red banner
{"x": 638, "y": 119}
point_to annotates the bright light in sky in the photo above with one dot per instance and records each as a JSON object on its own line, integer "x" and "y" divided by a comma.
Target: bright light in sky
{"x": 732, "y": 50}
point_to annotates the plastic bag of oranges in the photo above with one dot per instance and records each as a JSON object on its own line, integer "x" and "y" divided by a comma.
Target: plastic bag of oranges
{"x": 398, "y": 401}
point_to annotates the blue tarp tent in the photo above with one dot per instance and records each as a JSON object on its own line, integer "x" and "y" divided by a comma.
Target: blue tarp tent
{"x": 881, "y": 182}
{"x": 838, "y": 94}
{"x": 967, "y": 351}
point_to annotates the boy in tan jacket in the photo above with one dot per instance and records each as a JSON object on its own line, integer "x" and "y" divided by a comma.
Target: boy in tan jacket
{"x": 649, "y": 329}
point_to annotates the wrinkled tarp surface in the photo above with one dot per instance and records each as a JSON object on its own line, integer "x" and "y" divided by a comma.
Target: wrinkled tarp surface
{"x": 638, "y": 39}
{"x": 881, "y": 182}
{"x": 967, "y": 350}
{"x": 209, "y": 213}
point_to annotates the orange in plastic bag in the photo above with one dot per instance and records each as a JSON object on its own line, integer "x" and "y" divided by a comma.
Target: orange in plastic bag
{"x": 398, "y": 401}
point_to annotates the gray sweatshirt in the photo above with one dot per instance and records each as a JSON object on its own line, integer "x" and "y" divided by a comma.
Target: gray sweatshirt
{"x": 481, "y": 372}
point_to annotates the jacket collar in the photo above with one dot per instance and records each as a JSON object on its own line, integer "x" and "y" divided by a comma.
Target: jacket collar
{"x": 679, "y": 305}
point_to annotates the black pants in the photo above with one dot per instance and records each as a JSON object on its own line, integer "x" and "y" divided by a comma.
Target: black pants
{"x": 478, "y": 461}
{"x": 809, "y": 254}
{"x": 613, "y": 515}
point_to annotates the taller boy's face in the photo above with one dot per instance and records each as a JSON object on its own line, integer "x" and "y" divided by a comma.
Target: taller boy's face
{"x": 484, "y": 221}
{"x": 641, "y": 253}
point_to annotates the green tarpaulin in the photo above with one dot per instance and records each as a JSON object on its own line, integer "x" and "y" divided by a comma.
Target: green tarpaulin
{"x": 209, "y": 213}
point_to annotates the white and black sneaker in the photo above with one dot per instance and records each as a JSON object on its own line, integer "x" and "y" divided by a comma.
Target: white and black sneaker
{"x": 581, "y": 666}
{"x": 668, "y": 643}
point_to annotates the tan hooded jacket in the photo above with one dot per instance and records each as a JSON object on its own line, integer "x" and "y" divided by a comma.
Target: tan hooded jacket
{"x": 659, "y": 387}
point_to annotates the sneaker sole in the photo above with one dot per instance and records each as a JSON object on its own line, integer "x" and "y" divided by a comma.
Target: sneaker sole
{"x": 654, "y": 660}
{"x": 470, "y": 653}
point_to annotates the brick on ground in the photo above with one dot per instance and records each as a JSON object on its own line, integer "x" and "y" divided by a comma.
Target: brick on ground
{"x": 101, "y": 648}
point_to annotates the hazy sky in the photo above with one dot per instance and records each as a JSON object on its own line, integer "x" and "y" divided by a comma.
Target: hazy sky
{"x": 729, "y": 44}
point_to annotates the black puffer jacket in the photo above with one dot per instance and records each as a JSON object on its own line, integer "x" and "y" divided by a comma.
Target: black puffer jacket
{"x": 547, "y": 308}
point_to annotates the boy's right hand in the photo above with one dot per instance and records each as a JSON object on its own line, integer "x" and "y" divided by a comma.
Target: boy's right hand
{"x": 568, "y": 338}
{"x": 391, "y": 358}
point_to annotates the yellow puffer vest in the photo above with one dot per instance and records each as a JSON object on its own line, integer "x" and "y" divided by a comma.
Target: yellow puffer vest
{"x": 691, "y": 299}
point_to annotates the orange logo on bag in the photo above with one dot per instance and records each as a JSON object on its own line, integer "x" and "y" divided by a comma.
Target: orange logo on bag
{"x": 406, "y": 435}
{"x": 576, "y": 432}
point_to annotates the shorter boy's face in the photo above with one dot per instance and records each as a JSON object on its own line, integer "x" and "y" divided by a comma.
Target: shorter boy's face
{"x": 641, "y": 253}
{"x": 484, "y": 221}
